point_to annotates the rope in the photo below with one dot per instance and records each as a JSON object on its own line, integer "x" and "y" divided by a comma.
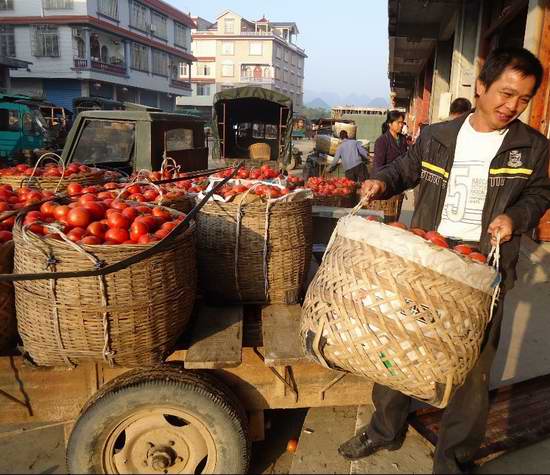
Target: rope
{"x": 266, "y": 250}
{"x": 494, "y": 256}
{"x": 58, "y": 160}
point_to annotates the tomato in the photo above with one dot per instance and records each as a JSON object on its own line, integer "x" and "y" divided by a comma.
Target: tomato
{"x": 138, "y": 229}
{"x": 97, "y": 229}
{"x": 48, "y": 208}
{"x": 91, "y": 189}
{"x": 137, "y": 197}
{"x": 91, "y": 240}
{"x": 117, "y": 204}
{"x": 4, "y": 206}
{"x": 243, "y": 173}
{"x": 96, "y": 209}
{"x": 134, "y": 189}
{"x": 378, "y": 219}
{"x": 9, "y": 222}
{"x": 21, "y": 167}
{"x": 161, "y": 213}
{"x": 399, "y": 225}
{"x": 254, "y": 174}
{"x": 144, "y": 209}
{"x": 79, "y": 217}
{"x": 147, "y": 238}
{"x": 477, "y": 256}
{"x": 110, "y": 242}
{"x": 150, "y": 195}
{"x": 37, "y": 229}
{"x": 87, "y": 197}
{"x": 34, "y": 216}
{"x": 129, "y": 241}
{"x": 162, "y": 233}
{"x": 83, "y": 169}
{"x": 71, "y": 169}
{"x": 102, "y": 195}
{"x": 118, "y": 235}
{"x": 463, "y": 249}
{"x": 130, "y": 213}
{"x": 169, "y": 225}
{"x": 439, "y": 241}
{"x": 74, "y": 188}
{"x": 110, "y": 186}
{"x": 76, "y": 234}
{"x": 117, "y": 220}
{"x": 418, "y": 232}
{"x": 150, "y": 221}
{"x": 107, "y": 202}
{"x": 430, "y": 234}
{"x": 5, "y": 236}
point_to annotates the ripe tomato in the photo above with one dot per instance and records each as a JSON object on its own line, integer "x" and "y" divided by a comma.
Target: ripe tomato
{"x": 418, "y": 232}
{"x": 144, "y": 209}
{"x": 378, "y": 219}
{"x": 117, "y": 204}
{"x": 48, "y": 208}
{"x": 439, "y": 241}
{"x": 110, "y": 186}
{"x": 162, "y": 233}
{"x": 147, "y": 238}
{"x": 4, "y": 206}
{"x": 87, "y": 197}
{"x": 74, "y": 188}
{"x": 169, "y": 225}
{"x": 150, "y": 221}
{"x": 76, "y": 234}
{"x": 463, "y": 249}
{"x": 118, "y": 220}
{"x": 161, "y": 213}
{"x": 150, "y": 195}
{"x": 37, "y": 229}
{"x": 79, "y": 217}
{"x": 134, "y": 189}
{"x": 117, "y": 235}
{"x": 96, "y": 209}
{"x": 138, "y": 229}
{"x": 5, "y": 236}
{"x": 97, "y": 229}
{"x": 130, "y": 213}
{"x": 430, "y": 234}
{"x": 399, "y": 225}
{"x": 137, "y": 197}
{"x": 103, "y": 195}
{"x": 93, "y": 240}
{"x": 477, "y": 256}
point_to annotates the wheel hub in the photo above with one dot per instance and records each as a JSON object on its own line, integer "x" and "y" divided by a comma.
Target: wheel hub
{"x": 161, "y": 458}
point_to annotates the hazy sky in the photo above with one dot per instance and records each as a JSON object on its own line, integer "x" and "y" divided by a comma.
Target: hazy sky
{"x": 346, "y": 43}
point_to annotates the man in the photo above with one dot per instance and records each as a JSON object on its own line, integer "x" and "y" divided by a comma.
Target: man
{"x": 349, "y": 152}
{"x": 459, "y": 106}
{"x": 482, "y": 175}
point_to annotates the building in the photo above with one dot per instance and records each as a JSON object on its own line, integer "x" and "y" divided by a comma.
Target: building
{"x": 436, "y": 53}
{"x": 125, "y": 50}
{"x": 369, "y": 120}
{"x": 235, "y": 52}
{"x": 7, "y": 63}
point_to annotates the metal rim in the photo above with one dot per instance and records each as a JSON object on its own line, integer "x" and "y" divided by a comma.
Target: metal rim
{"x": 159, "y": 439}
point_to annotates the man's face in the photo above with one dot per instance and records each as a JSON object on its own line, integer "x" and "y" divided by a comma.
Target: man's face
{"x": 505, "y": 99}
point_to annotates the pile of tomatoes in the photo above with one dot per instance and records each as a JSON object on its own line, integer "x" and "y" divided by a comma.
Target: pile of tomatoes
{"x": 262, "y": 190}
{"x": 265, "y": 172}
{"x": 192, "y": 185}
{"x": 331, "y": 186}
{"x": 435, "y": 238}
{"x": 294, "y": 181}
{"x": 48, "y": 170}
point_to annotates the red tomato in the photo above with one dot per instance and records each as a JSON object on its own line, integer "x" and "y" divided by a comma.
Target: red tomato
{"x": 477, "y": 256}
{"x": 107, "y": 202}
{"x": 96, "y": 209}
{"x": 137, "y": 197}
{"x": 37, "y": 229}
{"x": 150, "y": 221}
{"x": 169, "y": 225}
{"x": 117, "y": 220}
{"x": 4, "y": 206}
{"x": 74, "y": 188}
{"x": 130, "y": 213}
{"x": 33, "y": 216}
{"x": 134, "y": 189}
{"x": 439, "y": 241}
{"x": 138, "y": 229}
{"x": 110, "y": 186}
{"x": 71, "y": 169}
{"x": 117, "y": 204}
{"x": 161, "y": 233}
{"x": 150, "y": 195}
{"x": 91, "y": 189}
{"x": 91, "y": 240}
{"x": 5, "y": 236}
{"x": 87, "y": 197}
{"x": 162, "y": 213}
{"x": 147, "y": 238}
{"x": 97, "y": 229}
{"x": 463, "y": 249}
{"x": 399, "y": 225}
{"x": 144, "y": 209}
{"x": 129, "y": 241}
{"x": 9, "y": 222}
{"x": 76, "y": 234}
{"x": 117, "y": 235}
{"x": 102, "y": 195}
{"x": 418, "y": 232}
{"x": 430, "y": 234}
{"x": 48, "y": 208}
{"x": 79, "y": 217}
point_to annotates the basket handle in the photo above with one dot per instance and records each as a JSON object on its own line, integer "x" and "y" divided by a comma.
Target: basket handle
{"x": 57, "y": 159}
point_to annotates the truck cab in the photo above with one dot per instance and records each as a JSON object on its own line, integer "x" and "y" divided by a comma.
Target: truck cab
{"x": 134, "y": 140}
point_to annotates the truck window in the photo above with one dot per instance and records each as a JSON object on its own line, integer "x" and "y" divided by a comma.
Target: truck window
{"x": 9, "y": 120}
{"x": 271, "y": 131}
{"x": 105, "y": 141}
{"x": 258, "y": 131}
{"x": 179, "y": 139}
{"x": 27, "y": 122}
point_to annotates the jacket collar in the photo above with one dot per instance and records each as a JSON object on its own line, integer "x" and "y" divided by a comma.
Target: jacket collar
{"x": 517, "y": 136}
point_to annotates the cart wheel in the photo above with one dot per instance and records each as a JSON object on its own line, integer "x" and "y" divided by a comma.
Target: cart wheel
{"x": 162, "y": 420}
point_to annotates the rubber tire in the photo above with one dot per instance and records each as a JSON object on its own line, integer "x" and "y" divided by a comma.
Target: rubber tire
{"x": 198, "y": 392}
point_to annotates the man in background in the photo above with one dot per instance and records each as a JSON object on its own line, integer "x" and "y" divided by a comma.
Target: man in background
{"x": 459, "y": 106}
{"x": 351, "y": 153}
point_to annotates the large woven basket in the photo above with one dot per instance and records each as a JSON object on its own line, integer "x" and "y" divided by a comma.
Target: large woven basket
{"x": 348, "y": 201}
{"x": 391, "y": 207}
{"x": 400, "y": 324}
{"x": 259, "y": 151}
{"x": 263, "y": 256}
{"x": 52, "y": 183}
{"x": 132, "y": 317}
{"x": 8, "y": 325}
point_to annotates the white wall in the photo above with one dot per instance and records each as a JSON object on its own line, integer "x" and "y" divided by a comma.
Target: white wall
{"x": 34, "y": 8}
{"x": 205, "y": 48}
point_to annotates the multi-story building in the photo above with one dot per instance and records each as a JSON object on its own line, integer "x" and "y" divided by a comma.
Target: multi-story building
{"x": 235, "y": 52}
{"x": 126, "y": 50}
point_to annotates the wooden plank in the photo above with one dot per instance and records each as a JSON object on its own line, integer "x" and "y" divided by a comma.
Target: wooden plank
{"x": 336, "y": 212}
{"x": 216, "y": 340}
{"x": 281, "y": 335}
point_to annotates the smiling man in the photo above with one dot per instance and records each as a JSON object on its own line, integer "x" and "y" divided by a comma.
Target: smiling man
{"x": 481, "y": 175}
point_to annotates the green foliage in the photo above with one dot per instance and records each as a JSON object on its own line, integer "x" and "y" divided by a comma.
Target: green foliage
{"x": 313, "y": 113}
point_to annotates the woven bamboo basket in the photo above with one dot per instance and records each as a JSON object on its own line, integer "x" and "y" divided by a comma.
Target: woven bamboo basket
{"x": 132, "y": 317}
{"x": 401, "y": 324}
{"x": 250, "y": 163}
{"x": 8, "y": 325}
{"x": 263, "y": 256}
{"x": 348, "y": 201}
{"x": 390, "y": 207}
{"x": 183, "y": 205}
{"x": 52, "y": 183}
{"x": 259, "y": 151}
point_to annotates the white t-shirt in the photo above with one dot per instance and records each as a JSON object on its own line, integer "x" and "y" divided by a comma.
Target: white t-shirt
{"x": 467, "y": 185}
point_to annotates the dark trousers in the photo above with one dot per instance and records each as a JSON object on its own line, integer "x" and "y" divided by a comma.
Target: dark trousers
{"x": 464, "y": 420}
{"x": 358, "y": 173}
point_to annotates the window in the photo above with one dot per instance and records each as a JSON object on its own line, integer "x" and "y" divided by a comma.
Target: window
{"x": 179, "y": 139}
{"x": 181, "y": 35}
{"x": 159, "y": 25}
{"x": 45, "y": 41}
{"x": 227, "y": 70}
{"x": 285, "y": 76}
{"x": 277, "y": 72}
{"x": 258, "y": 131}
{"x": 7, "y": 40}
{"x": 140, "y": 57}
{"x": 58, "y": 4}
{"x": 6, "y": 4}
{"x": 271, "y": 131}
{"x": 278, "y": 51}
{"x": 255, "y": 48}
{"x": 300, "y": 63}
{"x": 228, "y": 48}
{"x": 286, "y": 56}
{"x": 184, "y": 70}
{"x": 138, "y": 16}
{"x": 229, "y": 26}
{"x": 160, "y": 63}
{"x": 203, "y": 89}
{"x": 113, "y": 141}
{"x": 9, "y": 120}
{"x": 293, "y": 59}
{"x": 203, "y": 69}
{"x": 108, "y": 8}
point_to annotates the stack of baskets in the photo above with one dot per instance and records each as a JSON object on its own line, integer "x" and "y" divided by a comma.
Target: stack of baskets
{"x": 255, "y": 252}
{"x": 414, "y": 323}
{"x": 8, "y": 325}
{"x": 132, "y": 317}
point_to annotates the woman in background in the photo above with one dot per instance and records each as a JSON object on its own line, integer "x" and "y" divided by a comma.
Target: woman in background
{"x": 392, "y": 143}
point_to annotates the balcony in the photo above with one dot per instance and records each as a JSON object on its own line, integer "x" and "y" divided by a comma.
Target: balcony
{"x": 176, "y": 83}
{"x": 253, "y": 80}
{"x": 117, "y": 67}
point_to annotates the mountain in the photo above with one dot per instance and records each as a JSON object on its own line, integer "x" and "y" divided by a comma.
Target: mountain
{"x": 379, "y": 102}
{"x": 331, "y": 99}
{"x": 317, "y": 103}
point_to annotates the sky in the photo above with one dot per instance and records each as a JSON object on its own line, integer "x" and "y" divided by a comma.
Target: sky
{"x": 346, "y": 43}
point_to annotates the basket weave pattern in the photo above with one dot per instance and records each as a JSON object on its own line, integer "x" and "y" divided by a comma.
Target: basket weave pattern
{"x": 62, "y": 322}
{"x": 51, "y": 183}
{"x": 259, "y": 151}
{"x": 8, "y": 325}
{"x": 399, "y": 324}
{"x": 390, "y": 207}
{"x": 338, "y": 201}
{"x": 235, "y": 271}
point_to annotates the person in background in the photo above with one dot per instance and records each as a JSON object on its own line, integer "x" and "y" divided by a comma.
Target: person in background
{"x": 351, "y": 153}
{"x": 392, "y": 143}
{"x": 459, "y": 106}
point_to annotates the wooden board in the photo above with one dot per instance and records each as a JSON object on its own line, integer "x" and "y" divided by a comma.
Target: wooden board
{"x": 216, "y": 340}
{"x": 334, "y": 212}
{"x": 281, "y": 335}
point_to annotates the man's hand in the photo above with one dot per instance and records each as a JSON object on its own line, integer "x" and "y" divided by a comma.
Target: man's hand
{"x": 371, "y": 189}
{"x": 502, "y": 225}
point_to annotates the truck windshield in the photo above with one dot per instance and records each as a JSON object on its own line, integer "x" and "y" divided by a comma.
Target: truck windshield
{"x": 105, "y": 141}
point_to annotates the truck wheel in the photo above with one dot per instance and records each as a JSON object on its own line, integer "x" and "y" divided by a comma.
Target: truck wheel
{"x": 162, "y": 420}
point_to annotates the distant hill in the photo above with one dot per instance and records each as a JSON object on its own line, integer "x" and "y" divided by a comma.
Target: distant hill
{"x": 379, "y": 102}
{"x": 317, "y": 103}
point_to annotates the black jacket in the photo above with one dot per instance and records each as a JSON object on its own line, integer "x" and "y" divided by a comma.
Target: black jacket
{"x": 518, "y": 182}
